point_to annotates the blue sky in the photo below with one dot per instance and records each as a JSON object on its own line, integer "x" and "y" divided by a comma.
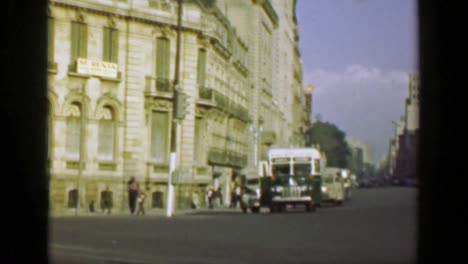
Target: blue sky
{"x": 357, "y": 54}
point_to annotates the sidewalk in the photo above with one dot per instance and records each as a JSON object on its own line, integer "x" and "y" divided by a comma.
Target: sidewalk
{"x": 153, "y": 213}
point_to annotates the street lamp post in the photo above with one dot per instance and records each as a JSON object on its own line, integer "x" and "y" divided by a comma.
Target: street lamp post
{"x": 173, "y": 158}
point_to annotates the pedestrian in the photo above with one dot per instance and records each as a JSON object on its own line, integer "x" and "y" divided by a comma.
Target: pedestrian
{"x": 210, "y": 197}
{"x": 141, "y": 204}
{"x": 133, "y": 188}
{"x": 238, "y": 191}
{"x": 220, "y": 196}
{"x": 194, "y": 203}
{"x": 233, "y": 199}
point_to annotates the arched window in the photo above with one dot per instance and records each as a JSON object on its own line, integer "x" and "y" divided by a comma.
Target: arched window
{"x": 106, "y": 140}
{"x": 73, "y": 130}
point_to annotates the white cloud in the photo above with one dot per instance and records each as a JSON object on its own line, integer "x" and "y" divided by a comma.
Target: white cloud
{"x": 361, "y": 100}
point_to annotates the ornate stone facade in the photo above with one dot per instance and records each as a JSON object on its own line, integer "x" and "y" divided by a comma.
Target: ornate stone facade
{"x": 113, "y": 120}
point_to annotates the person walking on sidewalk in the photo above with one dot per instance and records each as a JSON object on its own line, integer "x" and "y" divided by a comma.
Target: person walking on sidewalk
{"x": 210, "y": 196}
{"x": 141, "y": 204}
{"x": 133, "y": 188}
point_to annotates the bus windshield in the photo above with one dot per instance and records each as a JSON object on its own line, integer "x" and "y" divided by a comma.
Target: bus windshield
{"x": 302, "y": 169}
{"x": 280, "y": 170}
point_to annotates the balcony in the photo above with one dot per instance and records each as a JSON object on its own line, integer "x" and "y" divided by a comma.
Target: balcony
{"x": 206, "y": 97}
{"x": 241, "y": 68}
{"x": 158, "y": 87}
{"x": 226, "y": 158}
{"x": 239, "y": 112}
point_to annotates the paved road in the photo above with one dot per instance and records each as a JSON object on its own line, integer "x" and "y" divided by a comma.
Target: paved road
{"x": 376, "y": 226}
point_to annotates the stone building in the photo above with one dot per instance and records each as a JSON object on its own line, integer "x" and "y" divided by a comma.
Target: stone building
{"x": 111, "y": 72}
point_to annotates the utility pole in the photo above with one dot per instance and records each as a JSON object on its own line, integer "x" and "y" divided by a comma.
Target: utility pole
{"x": 176, "y": 91}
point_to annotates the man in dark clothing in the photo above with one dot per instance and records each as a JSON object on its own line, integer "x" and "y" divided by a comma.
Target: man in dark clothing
{"x": 133, "y": 189}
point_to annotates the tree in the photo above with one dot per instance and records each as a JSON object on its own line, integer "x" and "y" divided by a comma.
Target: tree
{"x": 331, "y": 140}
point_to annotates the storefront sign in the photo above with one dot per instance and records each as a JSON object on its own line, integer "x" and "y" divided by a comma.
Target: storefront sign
{"x": 97, "y": 68}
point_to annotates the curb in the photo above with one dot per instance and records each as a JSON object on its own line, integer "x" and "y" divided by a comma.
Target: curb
{"x": 161, "y": 213}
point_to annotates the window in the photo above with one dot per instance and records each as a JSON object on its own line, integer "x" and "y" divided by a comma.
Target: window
{"x": 157, "y": 201}
{"x": 159, "y": 136}
{"x": 162, "y": 58}
{"x": 199, "y": 140}
{"x": 73, "y": 131}
{"x": 50, "y": 46}
{"x": 106, "y": 200}
{"x": 110, "y": 45}
{"x": 79, "y": 41}
{"x": 106, "y": 134}
{"x": 201, "y": 67}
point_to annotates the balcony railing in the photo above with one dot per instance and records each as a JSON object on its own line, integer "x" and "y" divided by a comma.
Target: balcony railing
{"x": 205, "y": 93}
{"x": 214, "y": 98}
{"x": 226, "y": 157}
{"x": 163, "y": 85}
{"x": 158, "y": 87}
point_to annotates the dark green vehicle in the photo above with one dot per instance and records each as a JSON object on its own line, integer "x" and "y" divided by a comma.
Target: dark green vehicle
{"x": 291, "y": 178}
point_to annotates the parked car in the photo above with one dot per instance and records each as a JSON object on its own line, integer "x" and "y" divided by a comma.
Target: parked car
{"x": 409, "y": 182}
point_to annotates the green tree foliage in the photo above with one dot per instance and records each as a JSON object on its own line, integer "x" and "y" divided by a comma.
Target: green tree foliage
{"x": 331, "y": 140}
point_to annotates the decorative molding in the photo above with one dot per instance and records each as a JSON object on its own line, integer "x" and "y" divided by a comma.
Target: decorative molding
{"x": 203, "y": 41}
{"x": 114, "y": 103}
{"x": 111, "y": 22}
{"x": 80, "y": 17}
{"x": 75, "y": 96}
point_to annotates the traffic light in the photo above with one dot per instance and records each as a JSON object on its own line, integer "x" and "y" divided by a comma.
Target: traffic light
{"x": 181, "y": 105}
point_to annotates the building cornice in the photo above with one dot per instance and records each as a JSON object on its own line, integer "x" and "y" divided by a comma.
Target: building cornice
{"x": 122, "y": 13}
{"x": 269, "y": 10}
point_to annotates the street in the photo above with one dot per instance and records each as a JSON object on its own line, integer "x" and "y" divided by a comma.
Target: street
{"x": 375, "y": 226}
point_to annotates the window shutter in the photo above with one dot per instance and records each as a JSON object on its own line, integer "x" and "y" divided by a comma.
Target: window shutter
{"x": 83, "y": 52}
{"x": 73, "y": 137}
{"x": 160, "y": 58}
{"x": 167, "y": 54}
{"x": 201, "y": 67}
{"x": 106, "y": 45}
{"x": 199, "y": 140}
{"x": 114, "y": 57}
{"x": 159, "y": 136}
{"x": 106, "y": 139}
{"x": 75, "y": 31}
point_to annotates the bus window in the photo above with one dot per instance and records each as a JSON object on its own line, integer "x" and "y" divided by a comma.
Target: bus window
{"x": 302, "y": 169}
{"x": 317, "y": 166}
{"x": 280, "y": 170}
{"x": 252, "y": 182}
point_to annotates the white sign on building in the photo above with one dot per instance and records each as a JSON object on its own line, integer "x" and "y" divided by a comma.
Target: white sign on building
{"x": 97, "y": 68}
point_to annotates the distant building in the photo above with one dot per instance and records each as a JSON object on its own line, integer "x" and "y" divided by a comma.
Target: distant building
{"x": 404, "y": 151}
